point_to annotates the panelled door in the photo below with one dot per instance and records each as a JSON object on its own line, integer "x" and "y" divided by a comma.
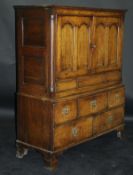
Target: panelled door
{"x": 87, "y": 45}
{"x": 73, "y": 48}
{"x": 106, "y": 44}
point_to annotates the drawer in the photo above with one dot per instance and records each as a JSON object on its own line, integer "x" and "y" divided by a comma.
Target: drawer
{"x": 90, "y": 105}
{"x": 116, "y": 97}
{"x": 67, "y": 134}
{"x": 65, "y": 111}
{"x": 108, "y": 120}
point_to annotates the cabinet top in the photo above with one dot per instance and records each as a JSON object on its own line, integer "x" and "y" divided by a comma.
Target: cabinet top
{"x": 68, "y": 7}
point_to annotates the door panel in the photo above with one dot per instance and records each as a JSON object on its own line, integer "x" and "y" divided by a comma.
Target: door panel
{"x": 73, "y": 46}
{"x": 112, "y": 48}
{"x": 107, "y": 52}
{"x": 83, "y": 41}
{"x": 67, "y": 47}
{"x": 100, "y": 52}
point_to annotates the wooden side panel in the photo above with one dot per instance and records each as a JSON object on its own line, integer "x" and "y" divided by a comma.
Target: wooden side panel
{"x": 33, "y": 31}
{"x": 33, "y": 42}
{"x": 33, "y": 70}
{"x": 34, "y": 122}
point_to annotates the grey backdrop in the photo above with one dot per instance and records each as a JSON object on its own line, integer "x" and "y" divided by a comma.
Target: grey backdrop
{"x": 7, "y": 45}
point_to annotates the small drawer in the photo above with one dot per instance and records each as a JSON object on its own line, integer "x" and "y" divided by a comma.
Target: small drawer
{"x": 93, "y": 104}
{"x": 108, "y": 120}
{"x": 65, "y": 111}
{"x": 68, "y": 134}
{"x": 116, "y": 97}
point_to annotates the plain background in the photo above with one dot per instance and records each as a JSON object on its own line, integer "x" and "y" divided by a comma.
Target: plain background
{"x": 7, "y": 47}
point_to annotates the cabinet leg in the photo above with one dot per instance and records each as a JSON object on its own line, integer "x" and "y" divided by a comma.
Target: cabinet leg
{"x": 51, "y": 161}
{"x": 120, "y": 133}
{"x": 21, "y": 151}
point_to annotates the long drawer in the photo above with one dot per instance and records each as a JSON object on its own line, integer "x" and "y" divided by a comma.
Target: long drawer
{"x": 108, "y": 120}
{"x": 73, "y": 132}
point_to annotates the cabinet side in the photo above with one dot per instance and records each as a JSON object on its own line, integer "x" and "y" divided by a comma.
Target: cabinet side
{"x": 32, "y": 48}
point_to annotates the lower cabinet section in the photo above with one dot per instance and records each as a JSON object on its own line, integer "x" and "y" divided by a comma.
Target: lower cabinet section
{"x": 68, "y": 134}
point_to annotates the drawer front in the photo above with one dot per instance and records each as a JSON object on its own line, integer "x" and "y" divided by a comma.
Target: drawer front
{"x": 108, "y": 120}
{"x": 65, "y": 111}
{"x": 116, "y": 97}
{"x": 93, "y": 104}
{"x": 68, "y": 134}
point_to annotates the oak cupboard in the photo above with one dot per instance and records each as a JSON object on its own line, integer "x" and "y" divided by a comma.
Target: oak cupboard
{"x": 69, "y": 77}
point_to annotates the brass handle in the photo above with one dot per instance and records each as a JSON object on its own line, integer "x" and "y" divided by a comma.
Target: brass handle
{"x": 66, "y": 110}
{"x": 110, "y": 119}
{"x": 93, "y": 46}
{"x": 93, "y": 104}
{"x": 75, "y": 132}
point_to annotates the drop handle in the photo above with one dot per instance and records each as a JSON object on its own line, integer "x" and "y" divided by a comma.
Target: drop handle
{"x": 66, "y": 110}
{"x": 93, "y": 46}
{"x": 93, "y": 103}
{"x": 75, "y": 132}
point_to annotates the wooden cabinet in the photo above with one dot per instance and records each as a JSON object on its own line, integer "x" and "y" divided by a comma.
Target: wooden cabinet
{"x": 69, "y": 84}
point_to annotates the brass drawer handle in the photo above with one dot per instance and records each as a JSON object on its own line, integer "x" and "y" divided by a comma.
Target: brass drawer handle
{"x": 75, "y": 132}
{"x": 110, "y": 119}
{"x": 66, "y": 110}
{"x": 93, "y": 104}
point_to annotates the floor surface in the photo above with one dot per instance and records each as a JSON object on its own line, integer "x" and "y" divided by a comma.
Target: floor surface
{"x": 106, "y": 155}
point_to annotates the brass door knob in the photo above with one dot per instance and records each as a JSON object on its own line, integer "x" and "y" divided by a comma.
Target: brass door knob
{"x": 93, "y": 46}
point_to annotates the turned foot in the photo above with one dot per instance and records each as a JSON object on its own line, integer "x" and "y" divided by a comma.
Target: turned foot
{"x": 121, "y": 134}
{"x": 51, "y": 161}
{"x": 21, "y": 151}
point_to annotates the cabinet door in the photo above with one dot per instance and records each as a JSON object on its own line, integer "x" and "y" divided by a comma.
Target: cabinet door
{"x": 73, "y": 46}
{"x": 107, "y": 44}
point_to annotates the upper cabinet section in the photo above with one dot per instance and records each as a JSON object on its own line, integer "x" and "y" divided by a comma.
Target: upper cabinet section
{"x": 87, "y": 45}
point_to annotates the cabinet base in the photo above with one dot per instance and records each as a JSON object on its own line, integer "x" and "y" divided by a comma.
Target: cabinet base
{"x": 51, "y": 158}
